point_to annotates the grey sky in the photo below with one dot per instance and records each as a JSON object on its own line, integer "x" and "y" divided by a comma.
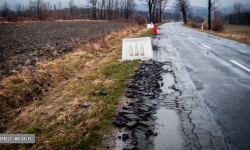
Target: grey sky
{"x": 201, "y": 3}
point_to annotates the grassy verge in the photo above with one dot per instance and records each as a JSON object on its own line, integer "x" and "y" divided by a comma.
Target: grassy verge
{"x": 54, "y": 94}
{"x": 232, "y": 33}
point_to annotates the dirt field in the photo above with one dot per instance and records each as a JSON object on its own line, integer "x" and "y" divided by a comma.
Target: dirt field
{"x": 23, "y": 44}
{"x": 237, "y": 29}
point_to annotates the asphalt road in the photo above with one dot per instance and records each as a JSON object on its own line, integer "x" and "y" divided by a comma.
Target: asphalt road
{"x": 220, "y": 70}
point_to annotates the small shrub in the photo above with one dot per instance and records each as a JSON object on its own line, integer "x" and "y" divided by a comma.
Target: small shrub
{"x": 34, "y": 19}
{"x": 124, "y": 20}
{"x": 139, "y": 20}
{"x": 217, "y": 26}
{"x": 195, "y": 25}
{"x": 50, "y": 19}
{"x": 77, "y": 17}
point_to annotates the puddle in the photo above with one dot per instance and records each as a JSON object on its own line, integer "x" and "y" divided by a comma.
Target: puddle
{"x": 168, "y": 136}
{"x": 119, "y": 142}
{"x": 168, "y": 81}
{"x": 166, "y": 66}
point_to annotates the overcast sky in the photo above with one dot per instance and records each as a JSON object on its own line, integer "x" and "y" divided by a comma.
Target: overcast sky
{"x": 202, "y": 3}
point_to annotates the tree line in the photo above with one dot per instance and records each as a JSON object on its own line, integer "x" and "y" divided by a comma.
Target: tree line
{"x": 124, "y": 9}
{"x": 96, "y": 9}
{"x": 241, "y": 16}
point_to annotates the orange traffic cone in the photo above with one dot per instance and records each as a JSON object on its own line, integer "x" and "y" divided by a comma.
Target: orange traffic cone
{"x": 155, "y": 31}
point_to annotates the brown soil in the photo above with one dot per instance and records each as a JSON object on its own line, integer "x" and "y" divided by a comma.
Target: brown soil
{"x": 23, "y": 44}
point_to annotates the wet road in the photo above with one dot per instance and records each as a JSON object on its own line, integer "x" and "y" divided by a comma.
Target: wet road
{"x": 219, "y": 68}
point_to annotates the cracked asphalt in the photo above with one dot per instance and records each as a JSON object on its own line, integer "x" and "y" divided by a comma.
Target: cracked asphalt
{"x": 212, "y": 77}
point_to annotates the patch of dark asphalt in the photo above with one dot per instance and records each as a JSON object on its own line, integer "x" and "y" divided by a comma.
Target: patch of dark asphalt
{"x": 198, "y": 85}
{"x": 141, "y": 119}
{"x": 138, "y": 116}
{"x": 188, "y": 69}
{"x": 244, "y": 81}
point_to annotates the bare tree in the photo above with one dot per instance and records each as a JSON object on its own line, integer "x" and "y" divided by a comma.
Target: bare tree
{"x": 209, "y": 14}
{"x": 237, "y": 10}
{"x": 129, "y": 6}
{"x": 19, "y": 10}
{"x": 182, "y": 6}
{"x": 216, "y": 4}
{"x": 218, "y": 15}
{"x": 247, "y": 15}
{"x": 40, "y": 4}
{"x": 75, "y": 11}
{"x": 150, "y": 6}
{"x": 93, "y": 3}
{"x": 59, "y": 10}
{"x": 71, "y": 7}
{"x": 109, "y": 9}
{"x": 177, "y": 15}
{"x": 162, "y": 5}
{"x": 59, "y": 4}
{"x": 116, "y": 9}
{"x": 5, "y": 9}
{"x": 103, "y": 4}
{"x": 121, "y": 7}
{"x": 31, "y": 8}
{"x": 154, "y": 5}
{"x": 190, "y": 15}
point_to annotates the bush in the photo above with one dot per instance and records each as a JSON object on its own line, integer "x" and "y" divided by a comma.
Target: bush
{"x": 195, "y": 25}
{"x": 50, "y": 19}
{"x": 217, "y": 26}
{"x": 124, "y": 20}
{"x": 139, "y": 20}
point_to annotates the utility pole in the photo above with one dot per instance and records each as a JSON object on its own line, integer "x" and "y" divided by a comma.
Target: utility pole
{"x": 209, "y": 14}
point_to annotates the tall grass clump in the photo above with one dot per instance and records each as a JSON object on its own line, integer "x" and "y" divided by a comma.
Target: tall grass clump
{"x": 217, "y": 26}
{"x": 139, "y": 20}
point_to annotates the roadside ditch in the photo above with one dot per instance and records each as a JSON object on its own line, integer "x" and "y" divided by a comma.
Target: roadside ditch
{"x": 78, "y": 95}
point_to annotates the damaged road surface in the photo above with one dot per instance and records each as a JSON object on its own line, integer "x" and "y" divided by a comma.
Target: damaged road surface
{"x": 165, "y": 111}
{"x": 223, "y": 86}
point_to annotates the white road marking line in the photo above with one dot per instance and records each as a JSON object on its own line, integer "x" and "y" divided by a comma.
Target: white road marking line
{"x": 206, "y": 46}
{"x": 240, "y": 65}
{"x": 183, "y": 33}
{"x": 190, "y": 38}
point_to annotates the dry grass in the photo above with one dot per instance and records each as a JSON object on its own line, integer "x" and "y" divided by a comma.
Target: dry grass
{"x": 48, "y": 101}
{"x": 233, "y": 32}
{"x": 237, "y": 29}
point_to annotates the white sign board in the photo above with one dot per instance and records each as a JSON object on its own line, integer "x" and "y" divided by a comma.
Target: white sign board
{"x": 150, "y": 25}
{"x": 137, "y": 48}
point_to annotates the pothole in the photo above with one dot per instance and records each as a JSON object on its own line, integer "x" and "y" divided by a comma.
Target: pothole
{"x": 120, "y": 143}
{"x": 167, "y": 83}
{"x": 168, "y": 136}
{"x": 199, "y": 85}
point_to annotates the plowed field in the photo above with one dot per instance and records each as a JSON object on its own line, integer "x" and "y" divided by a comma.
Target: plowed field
{"x": 23, "y": 44}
